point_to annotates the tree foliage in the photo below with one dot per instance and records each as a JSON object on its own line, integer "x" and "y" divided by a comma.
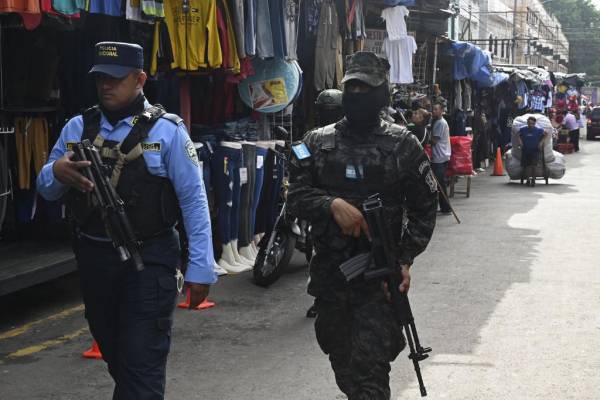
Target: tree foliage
{"x": 580, "y": 21}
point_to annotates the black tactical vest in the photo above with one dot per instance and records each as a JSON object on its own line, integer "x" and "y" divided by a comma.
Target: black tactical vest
{"x": 150, "y": 200}
{"x": 354, "y": 171}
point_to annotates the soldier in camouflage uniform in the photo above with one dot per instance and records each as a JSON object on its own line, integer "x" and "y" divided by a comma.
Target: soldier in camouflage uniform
{"x": 333, "y": 170}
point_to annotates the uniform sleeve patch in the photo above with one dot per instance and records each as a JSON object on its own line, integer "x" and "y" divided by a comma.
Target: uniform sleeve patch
{"x": 424, "y": 165}
{"x": 431, "y": 182}
{"x": 190, "y": 150}
{"x": 301, "y": 151}
{"x": 155, "y": 147}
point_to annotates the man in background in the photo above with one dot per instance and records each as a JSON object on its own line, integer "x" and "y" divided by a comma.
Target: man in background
{"x": 531, "y": 141}
{"x": 441, "y": 151}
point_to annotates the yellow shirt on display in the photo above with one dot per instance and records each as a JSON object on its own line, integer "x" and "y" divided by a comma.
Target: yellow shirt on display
{"x": 194, "y": 35}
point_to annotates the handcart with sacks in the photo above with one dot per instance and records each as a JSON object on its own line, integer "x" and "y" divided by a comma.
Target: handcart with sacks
{"x": 551, "y": 164}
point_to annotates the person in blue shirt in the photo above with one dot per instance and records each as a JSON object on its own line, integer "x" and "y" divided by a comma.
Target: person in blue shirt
{"x": 155, "y": 170}
{"x": 531, "y": 141}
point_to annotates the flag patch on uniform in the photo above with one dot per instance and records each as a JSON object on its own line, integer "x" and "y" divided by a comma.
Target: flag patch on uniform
{"x": 301, "y": 151}
{"x": 151, "y": 146}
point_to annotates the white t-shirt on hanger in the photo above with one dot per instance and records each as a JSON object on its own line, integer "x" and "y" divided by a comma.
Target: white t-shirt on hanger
{"x": 400, "y": 56}
{"x": 394, "y": 21}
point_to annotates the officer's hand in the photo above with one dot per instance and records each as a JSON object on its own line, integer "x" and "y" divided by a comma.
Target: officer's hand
{"x": 349, "y": 218}
{"x": 404, "y": 284}
{"x": 198, "y": 293}
{"x": 67, "y": 171}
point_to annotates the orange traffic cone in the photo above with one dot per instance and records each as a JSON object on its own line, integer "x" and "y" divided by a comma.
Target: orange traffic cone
{"x": 93, "y": 352}
{"x": 498, "y": 164}
{"x": 202, "y": 306}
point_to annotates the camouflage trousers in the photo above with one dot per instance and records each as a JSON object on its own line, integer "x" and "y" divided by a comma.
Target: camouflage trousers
{"x": 362, "y": 337}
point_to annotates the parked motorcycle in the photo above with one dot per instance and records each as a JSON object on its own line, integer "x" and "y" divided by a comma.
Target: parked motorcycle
{"x": 275, "y": 249}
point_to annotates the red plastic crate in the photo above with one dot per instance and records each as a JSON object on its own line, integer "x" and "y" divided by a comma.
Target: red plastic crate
{"x": 564, "y": 148}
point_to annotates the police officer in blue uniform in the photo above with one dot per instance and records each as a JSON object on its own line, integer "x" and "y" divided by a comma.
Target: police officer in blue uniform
{"x": 155, "y": 170}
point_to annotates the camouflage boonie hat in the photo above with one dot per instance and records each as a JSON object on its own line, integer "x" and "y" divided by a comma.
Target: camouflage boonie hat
{"x": 366, "y": 67}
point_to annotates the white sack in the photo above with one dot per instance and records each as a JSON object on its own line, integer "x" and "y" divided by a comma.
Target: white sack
{"x": 556, "y": 169}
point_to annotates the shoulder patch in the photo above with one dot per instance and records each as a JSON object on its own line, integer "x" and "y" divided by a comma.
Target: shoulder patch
{"x": 176, "y": 119}
{"x": 301, "y": 151}
{"x": 190, "y": 150}
{"x": 154, "y": 146}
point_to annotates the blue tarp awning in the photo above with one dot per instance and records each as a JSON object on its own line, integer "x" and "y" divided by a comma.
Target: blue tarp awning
{"x": 473, "y": 63}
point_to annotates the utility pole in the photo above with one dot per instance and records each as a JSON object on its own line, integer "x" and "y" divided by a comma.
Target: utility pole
{"x": 514, "y": 46}
{"x": 470, "y": 15}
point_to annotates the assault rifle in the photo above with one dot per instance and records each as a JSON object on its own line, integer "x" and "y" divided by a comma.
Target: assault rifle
{"x": 380, "y": 263}
{"x": 112, "y": 207}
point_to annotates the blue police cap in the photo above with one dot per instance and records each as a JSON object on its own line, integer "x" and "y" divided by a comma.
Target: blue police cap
{"x": 117, "y": 59}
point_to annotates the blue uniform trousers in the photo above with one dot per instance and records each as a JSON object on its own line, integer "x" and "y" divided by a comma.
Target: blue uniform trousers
{"x": 130, "y": 313}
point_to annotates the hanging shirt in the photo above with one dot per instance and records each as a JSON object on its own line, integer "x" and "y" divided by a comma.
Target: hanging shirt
{"x": 173, "y": 161}
{"x": 394, "y": 21}
{"x": 20, "y": 6}
{"x": 400, "y": 56}
{"x": 537, "y": 103}
{"x": 68, "y": 7}
{"x": 133, "y": 12}
{"x": 194, "y": 36}
{"x": 152, "y": 8}
{"x": 107, "y": 7}
{"x": 233, "y": 59}
{"x": 291, "y": 29}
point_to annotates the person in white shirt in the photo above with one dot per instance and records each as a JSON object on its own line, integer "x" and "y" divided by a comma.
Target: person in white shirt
{"x": 441, "y": 152}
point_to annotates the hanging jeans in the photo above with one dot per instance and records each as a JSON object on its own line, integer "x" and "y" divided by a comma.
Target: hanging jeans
{"x": 250, "y": 28}
{"x": 225, "y": 165}
{"x": 247, "y": 194}
{"x": 273, "y": 178}
{"x": 264, "y": 34}
{"x": 439, "y": 169}
{"x": 266, "y": 194}
{"x": 204, "y": 155}
{"x": 261, "y": 156}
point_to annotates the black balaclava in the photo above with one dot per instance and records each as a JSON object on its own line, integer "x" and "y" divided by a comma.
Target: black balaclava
{"x": 136, "y": 107}
{"x": 362, "y": 109}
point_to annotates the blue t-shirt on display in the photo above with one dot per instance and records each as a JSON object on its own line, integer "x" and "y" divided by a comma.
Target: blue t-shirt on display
{"x": 107, "y": 7}
{"x": 531, "y": 138}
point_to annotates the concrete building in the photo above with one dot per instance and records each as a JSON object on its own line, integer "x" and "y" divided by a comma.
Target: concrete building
{"x": 514, "y": 31}
{"x": 548, "y": 45}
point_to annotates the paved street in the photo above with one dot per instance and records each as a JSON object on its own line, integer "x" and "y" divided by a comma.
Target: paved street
{"x": 508, "y": 300}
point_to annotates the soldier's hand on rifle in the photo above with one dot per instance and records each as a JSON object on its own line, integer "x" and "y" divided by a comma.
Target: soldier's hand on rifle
{"x": 349, "y": 218}
{"x": 67, "y": 171}
{"x": 198, "y": 293}
{"x": 404, "y": 278}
